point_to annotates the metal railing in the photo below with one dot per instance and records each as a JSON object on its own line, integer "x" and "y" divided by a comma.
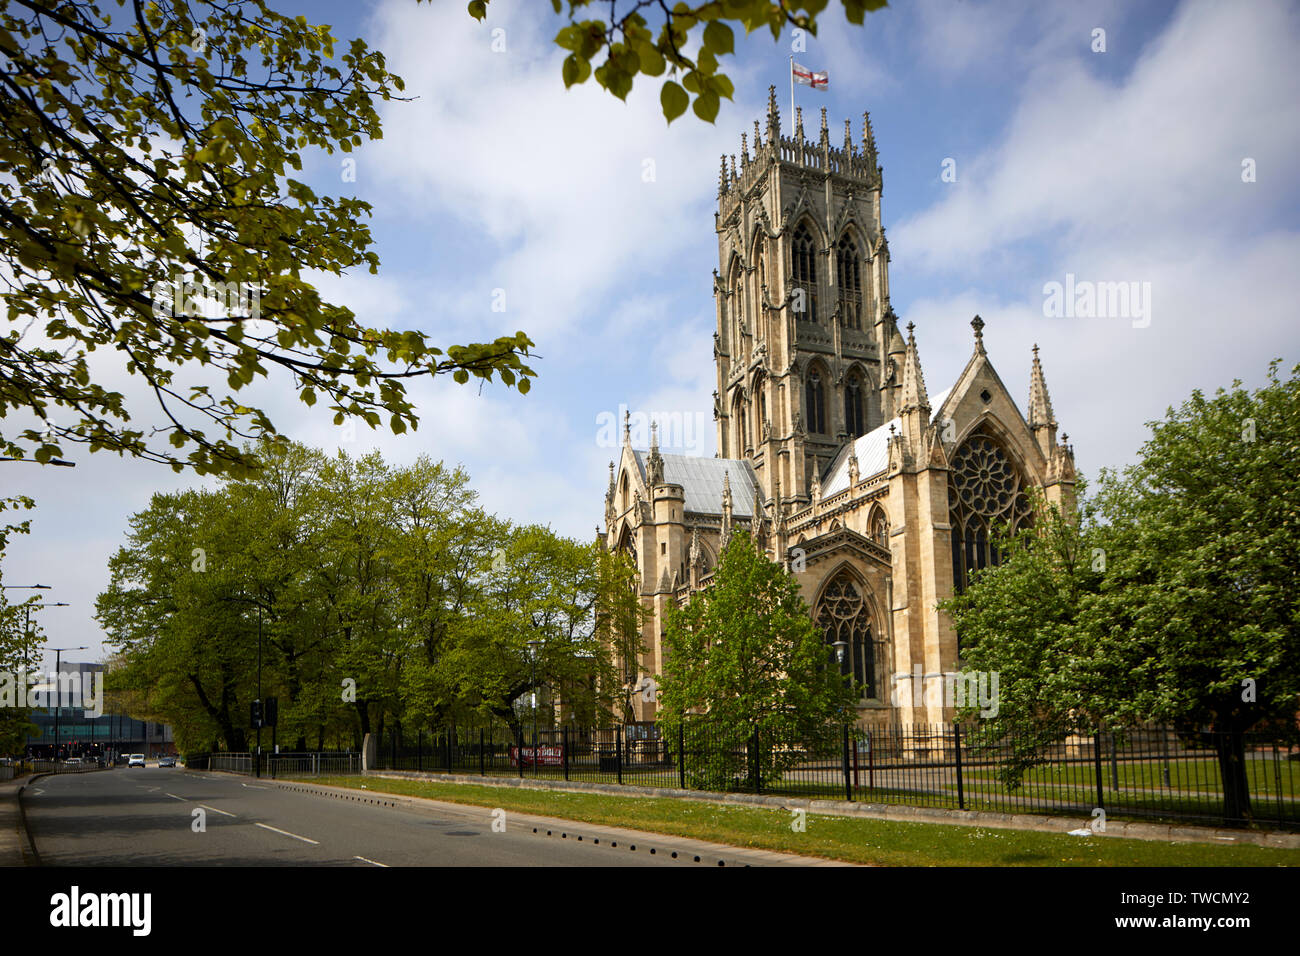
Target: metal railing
{"x": 1142, "y": 774}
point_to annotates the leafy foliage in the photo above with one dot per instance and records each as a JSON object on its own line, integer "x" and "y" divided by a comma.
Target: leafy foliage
{"x": 148, "y": 211}
{"x": 384, "y": 596}
{"x": 627, "y": 46}
{"x": 745, "y": 657}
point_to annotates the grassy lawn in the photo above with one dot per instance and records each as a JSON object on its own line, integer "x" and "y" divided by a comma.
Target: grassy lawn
{"x": 850, "y": 839}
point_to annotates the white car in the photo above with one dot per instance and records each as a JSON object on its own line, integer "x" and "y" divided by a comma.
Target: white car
{"x": 135, "y": 760}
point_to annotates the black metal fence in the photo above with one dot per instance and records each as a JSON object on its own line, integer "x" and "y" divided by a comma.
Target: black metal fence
{"x": 1144, "y": 774}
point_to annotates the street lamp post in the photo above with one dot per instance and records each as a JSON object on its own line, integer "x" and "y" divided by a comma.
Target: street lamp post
{"x": 58, "y": 694}
{"x": 532, "y": 657}
{"x": 27, "y": 662}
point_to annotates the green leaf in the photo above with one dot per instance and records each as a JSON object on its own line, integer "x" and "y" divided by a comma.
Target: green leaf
{"x": 718, "y": 38}
{"x": 576, "y": 70}
{"x": 706, "y": 106}
{"x": 674, "y": 100}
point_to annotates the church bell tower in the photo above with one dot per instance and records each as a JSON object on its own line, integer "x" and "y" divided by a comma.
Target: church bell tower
{"x": 807, "y": 348}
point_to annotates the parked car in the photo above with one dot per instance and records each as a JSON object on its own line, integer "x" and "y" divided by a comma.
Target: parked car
{"x": 72, "y": 762}
{"x": 135, "y": 760}
{"x": 167, "y": 762}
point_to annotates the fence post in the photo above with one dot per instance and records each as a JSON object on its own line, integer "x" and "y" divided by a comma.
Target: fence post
{"x": 1096, "y": 759}
{"x": 848, "y": 780}
{"x": 618, "y": 751}
{"x": 419, "y": 751}
{"x": 753, "y": 749}
{"x": 451, "y": 743}
{"x": 519, "y": 751}
{"x": 394, "y": 764}
{"x": 956, "y": 743}
{"x": 871, "y": 762}
{"x": 482, "y": 766}
{"x": 565, "y": 745}
{"x": 681, "y": 755}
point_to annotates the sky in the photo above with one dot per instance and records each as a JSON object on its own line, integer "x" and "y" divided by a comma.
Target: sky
{"x": 1020, "y": 146}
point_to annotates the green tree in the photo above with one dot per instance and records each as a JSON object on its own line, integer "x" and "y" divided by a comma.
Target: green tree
{"x": 745, "y": 657}
{"x": 623, "y": 47}
{"x": 1180, "y": 603}
{"x": 148, "y": 211}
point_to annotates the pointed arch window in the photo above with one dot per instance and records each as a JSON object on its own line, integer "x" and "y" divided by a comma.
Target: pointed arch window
{"x": 984, "y": 490}
{"x": 843, "y": 615}
{"x": 855, "y": 420}
{"x": 848, "y": 271}
{"x": 736, "y": 292}
{"x": 815, "y": 403}
{"x": 742, "y": 435}
{"x": 880, "y": 528}
{"x": 805, "y": 272}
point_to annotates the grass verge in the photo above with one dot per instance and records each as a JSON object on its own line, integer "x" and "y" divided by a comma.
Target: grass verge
{"x": 851, "y": 839}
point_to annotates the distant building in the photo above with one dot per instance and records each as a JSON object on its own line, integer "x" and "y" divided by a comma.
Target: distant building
{"x": 83, "y": 736}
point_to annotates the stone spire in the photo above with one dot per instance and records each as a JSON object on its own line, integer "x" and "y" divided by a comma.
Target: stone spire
{"x": 1041, "y": 420}
{"x": 609, "y": 498}
{"x": 696, "y": 558}
{"x": 798, "y": 124}
{"x": 722, "y": 178}
{"x": 726, "y": 507}
{"x": 758, "y": 139}
{"x": 773, "y": 117}
{"x": 744, "y": 150}
{"x": 978, "y": 325}
{"x": 825, "y": 134}
{"x": 914, "y": 395}
{"x": 816, "y": 480}
{"x": 655, "y": 461}
{"x": 848, "y": 138}
{"x": 778, "y": 516}
{"x": 627, "y": 427}
{"x": 868, "y": 141}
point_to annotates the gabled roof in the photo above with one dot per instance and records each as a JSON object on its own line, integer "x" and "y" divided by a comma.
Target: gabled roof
{"x": 701, "y": 478}
{"x": 872, "y": 451}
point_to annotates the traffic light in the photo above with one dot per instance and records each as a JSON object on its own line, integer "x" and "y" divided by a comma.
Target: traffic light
{"x": 256, "y": 714}
{"x": 270, "y": 711}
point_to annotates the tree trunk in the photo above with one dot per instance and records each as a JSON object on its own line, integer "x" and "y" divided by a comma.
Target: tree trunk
{"x": 1230, "y": 747}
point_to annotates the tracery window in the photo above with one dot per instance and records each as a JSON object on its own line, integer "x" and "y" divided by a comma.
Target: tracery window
{"x": 880, "y": 529}
{"x": 805, "y": 271}
{"x": 848, "y": 271}
{"x": 843, "y": 615}
{"x": 815, "y": 403}
{"x": 984, "y": 489}
{"x": 854, "y": 409}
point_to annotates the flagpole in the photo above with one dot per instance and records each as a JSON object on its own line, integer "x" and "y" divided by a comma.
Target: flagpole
{"x": 792, "y": 96}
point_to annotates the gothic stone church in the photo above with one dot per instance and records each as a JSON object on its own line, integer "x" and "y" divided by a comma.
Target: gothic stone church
{"x": 833, "y": 454}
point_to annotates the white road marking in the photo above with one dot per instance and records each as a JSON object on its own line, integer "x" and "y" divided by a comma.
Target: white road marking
{"x": 215, "y": 810}
{"x": 371, "y": 862}
{"x": 37, "y": 790}
{"x": 174, "y": 797}
{"x": 287, "y": 833}
{"x": 251, "y": 787}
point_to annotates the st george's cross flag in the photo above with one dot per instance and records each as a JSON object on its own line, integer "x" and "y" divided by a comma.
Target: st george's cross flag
{"x": 818, "y": 81}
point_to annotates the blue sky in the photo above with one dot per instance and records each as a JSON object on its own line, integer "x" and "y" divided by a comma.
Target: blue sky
{"x": 1123, "y": 165}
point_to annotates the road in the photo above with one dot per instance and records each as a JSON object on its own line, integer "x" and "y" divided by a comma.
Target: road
{"x": 145, "y": 817}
